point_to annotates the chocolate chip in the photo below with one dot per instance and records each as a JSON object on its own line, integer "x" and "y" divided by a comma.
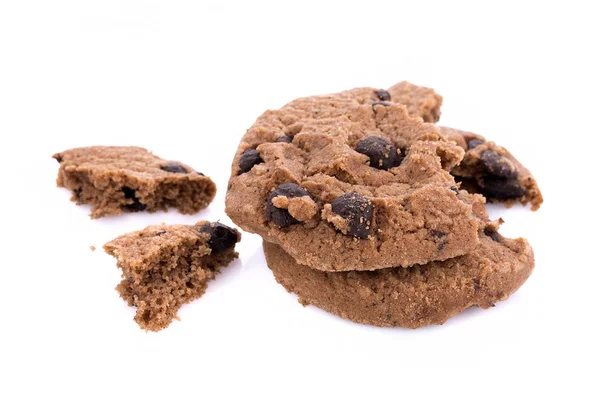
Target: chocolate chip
{"x": 279, "y": 216}
{"x": 59, "y": 158}
{"x": 476, "y": 284}
{"x": 492, "y": 234}
{"x": 473, "y": 143}
{"x": 388, "y": 316}
{"x": 497, "y": 165}
{"x": 249, "y": 158}
{"x": 357, "y": 211}
{"x": 222, "y": 237}
{"x": 441, "y": 245}
{"x": 383, "y": 103}
{"x": 159, "y": 233}
{"x": 284, "y": 139}
{"x": 137, "y": 205}
{"x": 173, "y": 167}
{"x": 500, "y": 187}
{"x": 383, "y": 95}
{"x": 455, "y": 189}
{"x": 381, "y": 152}
{"x": 200, "y": 174}
{"x": 77, "y": 193}
{"x": 437, "y": 234}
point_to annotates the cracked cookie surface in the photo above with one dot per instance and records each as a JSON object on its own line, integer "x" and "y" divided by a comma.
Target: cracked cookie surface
{"x": 353, "y": 181}
{"x": 411, "y": 297}
{"x": 116, "y": 179}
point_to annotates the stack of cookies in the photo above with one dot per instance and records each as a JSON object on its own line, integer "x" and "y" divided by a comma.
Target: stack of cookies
{"x": 373, "y": 213}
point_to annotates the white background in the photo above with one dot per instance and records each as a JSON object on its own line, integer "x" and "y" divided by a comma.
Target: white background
{"x": 185, "y": 79}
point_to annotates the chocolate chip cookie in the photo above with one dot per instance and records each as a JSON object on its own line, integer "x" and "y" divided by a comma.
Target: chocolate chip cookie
{"x": 114, "y": 179}
{"x": 353, "y": 181}
{"x": 493, "y": 171}
{"x": 411, "y": 297}
{"x": 166, "y": 266}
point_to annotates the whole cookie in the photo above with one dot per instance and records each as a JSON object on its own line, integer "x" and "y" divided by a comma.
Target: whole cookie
{"x": 353, "y": 181}
{"x": 493, "y": 171}
{"x": 411, "y": 297}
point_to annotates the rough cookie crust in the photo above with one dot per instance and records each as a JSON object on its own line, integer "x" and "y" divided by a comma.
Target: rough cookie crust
{"x": 493, "y": 171}
{"x": 114, "y": 179}
{"x": 311, "y": 142}
{"x": 166, "y": 266}
{"x": 411, "y": 297}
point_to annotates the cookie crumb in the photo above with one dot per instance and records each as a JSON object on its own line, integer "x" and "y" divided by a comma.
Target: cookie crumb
{"x": 92, "y": 248}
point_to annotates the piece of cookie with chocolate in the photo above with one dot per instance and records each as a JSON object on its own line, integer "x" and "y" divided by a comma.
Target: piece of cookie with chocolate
{"x": 116, "y": 179}
{"x": 493, "y": 171}
{"x": 166, "y": 266}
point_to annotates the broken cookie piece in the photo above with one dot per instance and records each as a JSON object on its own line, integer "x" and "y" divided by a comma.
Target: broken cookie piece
{"x": 166, "y": 266}
{"x": 493, "y": 171}
{"x": 114, "y": 179}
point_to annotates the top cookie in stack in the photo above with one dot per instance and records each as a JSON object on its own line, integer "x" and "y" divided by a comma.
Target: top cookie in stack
{"x": 356, "y": 180}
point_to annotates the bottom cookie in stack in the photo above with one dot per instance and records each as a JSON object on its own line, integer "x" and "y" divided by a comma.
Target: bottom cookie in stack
{"x": 411, "y": 297}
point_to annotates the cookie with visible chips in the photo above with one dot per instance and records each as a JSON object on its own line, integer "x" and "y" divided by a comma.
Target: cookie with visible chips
{"x": 492, "y": 171}
{"x": 116, "y": 179}
{"x": 166, "y": 266}
{"x": 353, "y": 181}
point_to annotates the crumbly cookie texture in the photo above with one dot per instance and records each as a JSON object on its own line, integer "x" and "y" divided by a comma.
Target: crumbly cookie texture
{"x": 493, "y": 171}
{"x": 116, "y": 179}
{"x": 353, "y": 181}
{"x": 166, "y": 266}
{"x": 411, "y": 297}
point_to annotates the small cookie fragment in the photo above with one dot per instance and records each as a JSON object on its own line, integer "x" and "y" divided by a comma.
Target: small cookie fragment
{"x": 116, "y": 179}
{"x": 412, "y": 297}
{"x": 166, "y": 266}
{"x": 493, "y": 171}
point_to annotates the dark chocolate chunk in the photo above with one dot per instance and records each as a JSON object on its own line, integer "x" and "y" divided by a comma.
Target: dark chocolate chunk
{"x": 160, "y": 233}
{"x": 284, "y": 139}
{"x": 455, "y": 189}
{"x": 492, "y": 234}
{"x": 136, "y": 205}
{"x": 476, "y": 284}
{"x": 249, "y": 158}
{"x": 473, "y": 143}
{"x": 498, "y": 165}
{"x": 500, "y": 187}
{"x": 222, "y": 237}
{"x": 383, "y": 103}
{"x": 173, "y": 167}
{"x": 357, "y": 210}
{"x": 279, "y": 216}
{"x": 437, "y": 234}
{"x": 383, "y": 95}
{"x": 381, "y": 152}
